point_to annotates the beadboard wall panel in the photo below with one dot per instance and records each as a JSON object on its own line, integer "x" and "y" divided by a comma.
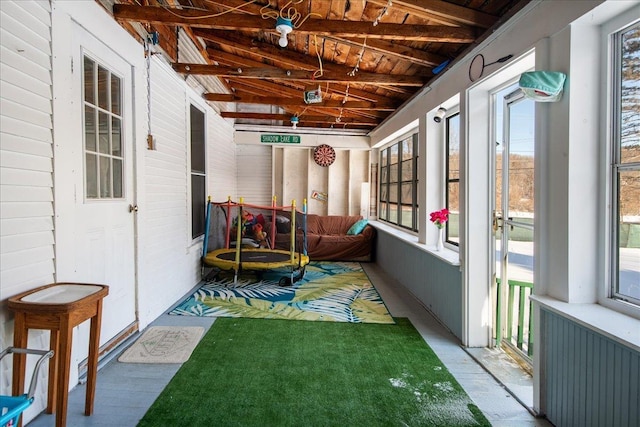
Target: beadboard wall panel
{"x": 588, "y": 379}
{"x": 437, "y": 285}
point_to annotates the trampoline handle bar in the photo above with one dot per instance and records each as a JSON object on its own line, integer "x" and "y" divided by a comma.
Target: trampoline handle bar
{"x": 44, "y": 354}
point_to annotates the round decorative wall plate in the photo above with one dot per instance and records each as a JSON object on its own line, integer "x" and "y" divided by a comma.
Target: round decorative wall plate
{"x": 324, "y": 155}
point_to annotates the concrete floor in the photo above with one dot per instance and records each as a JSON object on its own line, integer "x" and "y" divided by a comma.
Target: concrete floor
{"x": 125, "y": 391}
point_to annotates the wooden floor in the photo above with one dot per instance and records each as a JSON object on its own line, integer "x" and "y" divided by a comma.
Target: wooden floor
{"x": 125, "y": 390}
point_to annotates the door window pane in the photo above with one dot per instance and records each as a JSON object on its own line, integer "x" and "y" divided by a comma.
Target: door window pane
{"x": 115, "y": 95}
{"x": 103, "y": 88}
{"x": 521, "y": 158}
{"x": 89, "y": 81}
{"x": 90, "y": 128}
{"x": 116, "y": 137}
{"x": 117, "y": 178}
{"x": 91, "y": 175}
{"x": 105, "y": 177}
{"x": 103, "y": 126}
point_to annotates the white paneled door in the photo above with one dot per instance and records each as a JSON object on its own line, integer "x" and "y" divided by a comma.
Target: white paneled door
{"x": 94, "y": 177}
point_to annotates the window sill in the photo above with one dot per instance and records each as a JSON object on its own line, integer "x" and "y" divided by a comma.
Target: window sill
{"x": 612, "y": 324}
{"x": 447, "y": 255}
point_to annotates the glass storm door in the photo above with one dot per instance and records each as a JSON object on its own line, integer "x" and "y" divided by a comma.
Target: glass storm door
{"x": 513, "y": 221}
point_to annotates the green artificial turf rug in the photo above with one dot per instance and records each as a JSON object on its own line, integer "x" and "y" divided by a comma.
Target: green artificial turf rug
{"x": 263, "y": 372}
{"x": 329, "y": 291}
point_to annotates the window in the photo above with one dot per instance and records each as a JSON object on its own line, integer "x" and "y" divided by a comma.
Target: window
{"x": 103, "y": 151}
{"x": 626, "y": 166}
{"x": 399, "y": 183}
{"x": 452, "y": 193}
{"x": 198, "y": 172}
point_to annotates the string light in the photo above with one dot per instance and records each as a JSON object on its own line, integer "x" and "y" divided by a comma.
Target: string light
{"x": 382, "y": 13}
{"x": 357, "y": 67}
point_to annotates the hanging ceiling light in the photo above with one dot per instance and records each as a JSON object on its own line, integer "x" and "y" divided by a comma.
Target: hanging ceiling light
{"x": 294, "y": 121}
{"x": 284, "y": 27}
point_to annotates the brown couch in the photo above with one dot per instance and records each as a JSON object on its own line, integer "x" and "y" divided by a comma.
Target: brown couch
{"x": 327, "y": 239}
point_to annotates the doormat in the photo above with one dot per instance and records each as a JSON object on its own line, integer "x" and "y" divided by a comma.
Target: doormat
{"x": 163, "y": 344}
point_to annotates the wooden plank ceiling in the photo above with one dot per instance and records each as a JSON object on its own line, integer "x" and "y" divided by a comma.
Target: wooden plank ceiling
{"x": 366, "y": 56}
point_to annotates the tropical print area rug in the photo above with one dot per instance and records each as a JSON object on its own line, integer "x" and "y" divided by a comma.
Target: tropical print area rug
{"x": 329, "y": 291}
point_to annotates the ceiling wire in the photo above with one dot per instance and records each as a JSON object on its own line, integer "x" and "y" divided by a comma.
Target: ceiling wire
{"x": 288, "y": 11}
{"x": 319, "y": 72}
{"x": 212, "y": 15}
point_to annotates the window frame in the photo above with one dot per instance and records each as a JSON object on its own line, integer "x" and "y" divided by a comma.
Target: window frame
{"x": 399, "y": 181}
{"x": 616, "y": 164}
{"x": 198, "y": 201}
{"x": 97, "y": 110}
{"x": 451, "y": 114}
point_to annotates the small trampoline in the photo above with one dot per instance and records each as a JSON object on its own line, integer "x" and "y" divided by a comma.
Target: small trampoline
{"x": 241, "y": 237}
{"x": 254, "y": 259}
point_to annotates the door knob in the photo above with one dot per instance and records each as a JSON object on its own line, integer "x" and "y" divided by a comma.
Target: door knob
{"x": 133, "y": 208}
{"x": 497, "y": 217}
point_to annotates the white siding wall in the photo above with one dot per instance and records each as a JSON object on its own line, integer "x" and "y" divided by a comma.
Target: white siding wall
{"x": 221, "y": 158}
{"x": 26, "y": 152}
{"x": 169, "y": 259}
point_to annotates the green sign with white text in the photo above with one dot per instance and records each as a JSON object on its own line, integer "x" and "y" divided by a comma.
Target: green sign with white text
{"x": 280, "y": 139}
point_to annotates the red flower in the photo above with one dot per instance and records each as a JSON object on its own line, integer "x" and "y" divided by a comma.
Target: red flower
{"x": 440, "y": 217}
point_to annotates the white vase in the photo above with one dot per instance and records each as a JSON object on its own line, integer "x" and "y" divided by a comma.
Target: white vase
{"x": 440, "y": 241}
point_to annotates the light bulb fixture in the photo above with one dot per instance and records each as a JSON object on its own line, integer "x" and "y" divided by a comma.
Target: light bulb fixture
{"x": 294, "y": 121}
{"x": 439, "y": 114}
{"x": 284, "y": 27}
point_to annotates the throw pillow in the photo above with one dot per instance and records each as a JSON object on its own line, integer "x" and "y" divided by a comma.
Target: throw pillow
{"x": 357, "y": 227}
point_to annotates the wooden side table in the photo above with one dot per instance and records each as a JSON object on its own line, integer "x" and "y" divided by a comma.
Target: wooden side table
{"x": 58, "y": 307}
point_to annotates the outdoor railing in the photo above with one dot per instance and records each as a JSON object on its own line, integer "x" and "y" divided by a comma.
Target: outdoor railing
{"x": 519, "y": 327}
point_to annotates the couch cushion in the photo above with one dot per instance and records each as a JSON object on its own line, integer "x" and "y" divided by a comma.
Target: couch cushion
{"x": 357, "y": 227}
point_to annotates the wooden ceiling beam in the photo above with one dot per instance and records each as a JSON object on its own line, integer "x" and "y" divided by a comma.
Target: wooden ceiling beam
{"x": 303, "y": 118}
{"x": 275, "y": 73}
{"x": 275, "y": 100}
{"x": 319, "y": 27}
{"x": 442, "y": 12}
